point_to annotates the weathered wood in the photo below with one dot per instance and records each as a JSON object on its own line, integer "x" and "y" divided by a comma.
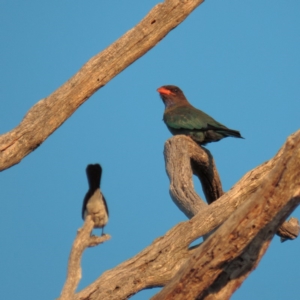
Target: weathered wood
{"x": 184, "y": 157}
{"x": 237, "y": 246}
{"x": 82, "y": 241}
{"x": 289, "y": 230}
{"x": 50, "y": 113}
{"x": 157, "y": 264}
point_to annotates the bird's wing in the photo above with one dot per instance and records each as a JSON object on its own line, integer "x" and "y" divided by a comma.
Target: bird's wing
{"x": 105, "y": 205}
{"x": 85, "y": 201}
{"x": 190, "y": 118}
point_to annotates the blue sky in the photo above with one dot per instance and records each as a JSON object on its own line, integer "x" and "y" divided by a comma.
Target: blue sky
{"x": 237, "y": 60}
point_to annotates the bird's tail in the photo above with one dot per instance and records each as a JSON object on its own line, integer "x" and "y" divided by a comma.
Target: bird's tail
{"x": 94, "y": 173}
{"x": 226, "y": 131}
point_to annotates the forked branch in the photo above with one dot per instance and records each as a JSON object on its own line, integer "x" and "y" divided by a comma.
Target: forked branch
{"x": 184, "y": 157}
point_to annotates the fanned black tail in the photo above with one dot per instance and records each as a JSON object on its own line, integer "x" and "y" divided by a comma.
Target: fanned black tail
{"x": 93, "y": 173}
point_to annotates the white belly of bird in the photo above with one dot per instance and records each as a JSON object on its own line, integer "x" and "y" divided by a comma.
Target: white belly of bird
{"x": 96, "y": 209}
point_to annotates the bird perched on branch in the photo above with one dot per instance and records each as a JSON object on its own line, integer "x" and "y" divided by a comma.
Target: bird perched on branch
{"x": 94, "y": 203}
{"x": 182, "y": 118}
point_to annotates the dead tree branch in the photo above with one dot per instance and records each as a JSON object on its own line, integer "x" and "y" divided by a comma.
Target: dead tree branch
{"x": 157, "y": 264}
{"x": 50, "y": 113}
{"x": 82, "y": 241}
{"x": 237, "y": 246}
{"x": 184, "y": 157}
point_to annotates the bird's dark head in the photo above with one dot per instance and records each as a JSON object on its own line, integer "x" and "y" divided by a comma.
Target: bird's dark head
{"x": 171, "y": 95}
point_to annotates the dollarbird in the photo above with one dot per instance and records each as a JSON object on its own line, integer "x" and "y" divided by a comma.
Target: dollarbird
{"x": 183, "y": 118}
{"x": 94, "y": 203}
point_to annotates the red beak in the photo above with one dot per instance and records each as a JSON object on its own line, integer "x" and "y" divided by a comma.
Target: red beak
{"x": 164, "y": 91}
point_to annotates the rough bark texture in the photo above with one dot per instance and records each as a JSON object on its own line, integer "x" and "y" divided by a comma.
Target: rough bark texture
{"x": 236, "y": 247}
{"x": 81, "y": 242}
{"x": 184, "y": 157}
{"x": 265, "y": 196}
{"x": 49, "y": 113}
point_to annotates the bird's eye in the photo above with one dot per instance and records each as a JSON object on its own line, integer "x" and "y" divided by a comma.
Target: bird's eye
{"x": 175, "y": 90}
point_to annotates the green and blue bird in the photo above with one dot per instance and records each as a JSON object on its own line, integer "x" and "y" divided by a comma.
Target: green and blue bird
{"x": 182, "y": 118}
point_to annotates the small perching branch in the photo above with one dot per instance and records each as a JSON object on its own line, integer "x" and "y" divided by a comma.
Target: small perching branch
{"x": 82, "y": 241}
{"x": 250, "y": 236}
{"x": 50, "y": 113}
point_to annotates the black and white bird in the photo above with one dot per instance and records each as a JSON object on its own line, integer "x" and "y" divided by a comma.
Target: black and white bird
{"x": 94, "y": 203}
